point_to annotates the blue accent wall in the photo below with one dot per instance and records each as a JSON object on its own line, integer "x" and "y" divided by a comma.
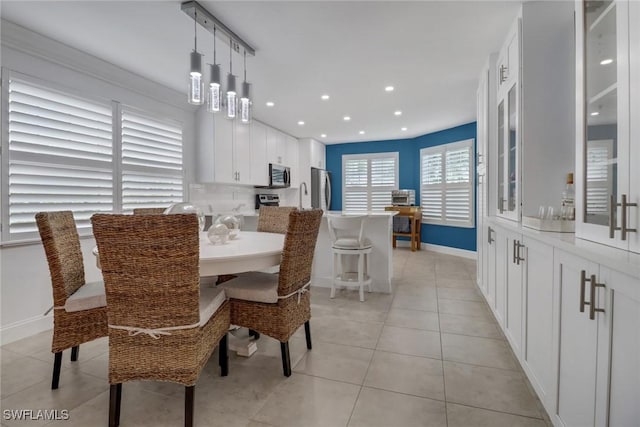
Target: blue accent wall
{"x": 409, "y": 170}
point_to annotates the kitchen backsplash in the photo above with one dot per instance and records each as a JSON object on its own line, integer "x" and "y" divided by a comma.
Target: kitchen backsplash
{"x": 219, "y": 198}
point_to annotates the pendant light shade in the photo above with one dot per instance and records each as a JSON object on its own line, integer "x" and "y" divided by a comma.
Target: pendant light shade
{"x": 196, "y": 87}
{"x": 245, "y": 98}
{"x": 232, "y": 97}
{"x": 214, "y": 96}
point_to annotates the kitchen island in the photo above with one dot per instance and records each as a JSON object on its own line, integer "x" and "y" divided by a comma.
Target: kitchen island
{"x": 378, "y": 229}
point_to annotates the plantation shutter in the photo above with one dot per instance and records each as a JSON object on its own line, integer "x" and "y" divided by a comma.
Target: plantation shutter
{"x": 152, "y": 173}
{"x": 599, "y": 176}
{"x": 60, "y": 157}
{"x": 446, "y": 187}
{"x": 369, "y": 180}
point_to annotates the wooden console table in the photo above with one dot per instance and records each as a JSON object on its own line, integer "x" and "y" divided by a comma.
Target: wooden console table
{"x": 415, "y": 221}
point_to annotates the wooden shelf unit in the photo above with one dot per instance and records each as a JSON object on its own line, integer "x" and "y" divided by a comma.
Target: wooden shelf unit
{"x": 415, "y": 218}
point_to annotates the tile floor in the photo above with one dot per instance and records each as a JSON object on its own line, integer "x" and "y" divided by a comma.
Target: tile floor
{"x": 429, "y": 355}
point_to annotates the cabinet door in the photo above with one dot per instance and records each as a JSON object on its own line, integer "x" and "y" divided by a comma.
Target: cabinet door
{"x": 538, "y": 286}
{"x": 513, "y": 320}
{"x": 490, "y": 263}
{"x": 575, "y": 343}
{"x": 292, "y": 160}
{"x": 618, "y": 351}
{"x": 634, "y": 137}
{"x": 317, "y": 154}
{"x": 259, "y": 163}
{"x": 223, "y": 150}
{"x": 276, "y": 146}
{"x": 508, "y": 154}
{"x": 242, "y": 153}
{"x": 602, "y": 132}
{"x": 501, "y": 276}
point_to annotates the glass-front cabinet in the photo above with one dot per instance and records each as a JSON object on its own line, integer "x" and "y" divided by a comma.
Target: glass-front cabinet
{"x": 607, "y": 205}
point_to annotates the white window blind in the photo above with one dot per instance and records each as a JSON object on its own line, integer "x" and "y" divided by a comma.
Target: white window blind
{"x": 599, "y": 176}
{"x": 60, "y": 157}
{"x": 151, "y": 161}
{"x": 446, "y": 184}
{"x": 368, "y": 180}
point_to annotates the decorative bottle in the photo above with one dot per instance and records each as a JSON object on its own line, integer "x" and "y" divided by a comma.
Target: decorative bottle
{"x": 568, "y": 209}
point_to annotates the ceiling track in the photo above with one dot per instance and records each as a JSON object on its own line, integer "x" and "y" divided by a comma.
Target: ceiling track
{"x": 208, "y": 21}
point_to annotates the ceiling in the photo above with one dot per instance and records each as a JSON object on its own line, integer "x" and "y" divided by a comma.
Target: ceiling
{"x": 430, "y": 51}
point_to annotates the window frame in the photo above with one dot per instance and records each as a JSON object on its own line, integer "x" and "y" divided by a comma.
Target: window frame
{"x": 443, "y": 149}
{"x": 114, "y": 168}
{"x": 368, "y": 188}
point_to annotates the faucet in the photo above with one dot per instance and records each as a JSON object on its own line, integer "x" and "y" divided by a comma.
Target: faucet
{"x": 300, "y": 193}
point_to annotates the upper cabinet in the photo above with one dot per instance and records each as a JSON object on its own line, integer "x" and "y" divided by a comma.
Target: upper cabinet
{"x": 534, "y": 147}
{"x": 608, "y": 139}
{"x": 276, "y": 147}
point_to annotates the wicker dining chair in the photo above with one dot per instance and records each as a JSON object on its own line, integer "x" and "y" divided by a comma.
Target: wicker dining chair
{"x": 148, "y": 211}
{"x": 162, "y": 325}
{"x": 79, "y": 312}
{"x": 274, "y": 219}
{"x": 277, "y": 305}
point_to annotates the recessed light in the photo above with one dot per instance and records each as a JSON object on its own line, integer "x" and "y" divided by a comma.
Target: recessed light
{"x": 301, "y": 123}
{"x": 361, "y": 132}
{"x": 595, "y": 113}
{"x": 324, "y": 135}
{"x": 397, "y": 113}
{"x": 270, "y": 104}
{"x": 606, "y": 61}
{"x": 389, "y": 88}
{"x": 325, "y": 97}
{"x": 403, "y": 129}
{"x": 346, "y": 118}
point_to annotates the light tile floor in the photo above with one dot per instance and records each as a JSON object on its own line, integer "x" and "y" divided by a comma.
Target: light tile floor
{"x": 431, "y": 354}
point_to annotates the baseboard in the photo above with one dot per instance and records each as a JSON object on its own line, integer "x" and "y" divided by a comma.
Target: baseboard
{"x": 441, "y": 249}
{"x": 25, "y": 328}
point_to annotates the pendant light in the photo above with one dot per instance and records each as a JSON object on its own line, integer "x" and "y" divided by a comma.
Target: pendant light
{"x": 232, "y": 97}
{"x": 196, "y": 87}
{"x": 245, "y": 99}
{"x": 213, "y": 100}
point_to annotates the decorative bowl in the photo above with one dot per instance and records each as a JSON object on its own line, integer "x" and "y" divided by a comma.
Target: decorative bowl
{"x": 218, "y": 234}
{"x": 186, "y": 208}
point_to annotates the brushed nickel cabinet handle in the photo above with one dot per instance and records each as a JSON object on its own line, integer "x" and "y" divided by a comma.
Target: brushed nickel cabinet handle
{"x": 583, "y": 281}
{"x": 490, "y": 240}
{"x": 624, "y": 230}
{"x": 592, "y": 306}
{"x": 514, "y": 252}
{"x": 518, "y": 257}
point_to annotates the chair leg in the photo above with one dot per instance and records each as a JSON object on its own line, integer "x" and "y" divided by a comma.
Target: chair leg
{"x": 254, "y": 334}
{"x": 189, "y": 392}
{"x": 115, "y": 401}
{"x": 57, "y": 364}
{"x": 286, "y": 358}
{"x": 223, "y": 356}
{"x": 361, "y": 275}
{"x": 366, "y": 270}
{"x": 333, "y": 276}
{"x": 307, "y": 334}
{"x": 74, "y": 353}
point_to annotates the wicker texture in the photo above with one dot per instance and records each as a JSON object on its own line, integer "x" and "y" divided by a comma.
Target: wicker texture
{"x": 274, "y": 219}
{"x": 148, "y": 211}
{"x": 150, "y": 266}
{"x": 282, "y": 319}
{"x": 62, "y": 248}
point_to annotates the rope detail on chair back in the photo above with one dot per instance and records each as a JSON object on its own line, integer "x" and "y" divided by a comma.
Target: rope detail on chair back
{"x": 274, "y": 219}
{"x": 299, "y": 247}
{"x": 148, "y": 211}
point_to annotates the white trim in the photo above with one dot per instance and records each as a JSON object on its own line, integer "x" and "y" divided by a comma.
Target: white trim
{"x": 464, "y": 253}
{"x": 25, "y": 328}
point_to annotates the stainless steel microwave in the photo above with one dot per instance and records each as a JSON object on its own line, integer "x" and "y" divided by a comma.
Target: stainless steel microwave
{"x": 279, "y": 176}
{"x": 403, "y": 197}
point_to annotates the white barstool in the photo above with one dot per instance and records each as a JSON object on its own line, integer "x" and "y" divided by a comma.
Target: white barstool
{"x": 347, "y": 238}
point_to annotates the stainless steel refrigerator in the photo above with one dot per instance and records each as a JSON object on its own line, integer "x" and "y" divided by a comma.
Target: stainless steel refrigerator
{"x": 320, "y": 189}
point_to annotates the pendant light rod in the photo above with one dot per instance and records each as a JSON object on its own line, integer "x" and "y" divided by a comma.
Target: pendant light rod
{"x": 196, "y": 11}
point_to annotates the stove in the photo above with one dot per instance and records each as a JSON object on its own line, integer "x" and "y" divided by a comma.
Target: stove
{"x": 267, "y": 200}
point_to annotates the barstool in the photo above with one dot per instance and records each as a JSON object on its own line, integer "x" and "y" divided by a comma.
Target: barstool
{"x": 346, "y": 234}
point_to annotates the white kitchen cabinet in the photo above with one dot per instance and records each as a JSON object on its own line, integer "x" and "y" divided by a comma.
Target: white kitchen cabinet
{"x": 534, "y": 115}
{"x": 598, "y": 342}
{"x": 490, "y": 267}
{"x": 223, "y": 165}
{"x": 318, "y": 154}
{"x": 514, "y": 292}
{"x": 276, "y": 147}
{"x": 259, "y": 165}
{"x": 292, "y": 160}
{"x": 502, "y": 254}
{"x": 242, "y": 153}
{"x": 607, "y": 129}
{"x": 537, "y": 355}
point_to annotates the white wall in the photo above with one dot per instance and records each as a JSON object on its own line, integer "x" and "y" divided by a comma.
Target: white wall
{"x": 25, "y": 287}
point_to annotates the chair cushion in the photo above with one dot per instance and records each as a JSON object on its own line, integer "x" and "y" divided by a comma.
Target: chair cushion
{"x": 88, "y": 296}
{"x": 253, "y": 286}
{"x": 351, "y": 243}
{"x": 210, "y": 301}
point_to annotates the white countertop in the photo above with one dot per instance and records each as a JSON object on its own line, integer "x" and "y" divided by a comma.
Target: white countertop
{"x": 369, "y": 214}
